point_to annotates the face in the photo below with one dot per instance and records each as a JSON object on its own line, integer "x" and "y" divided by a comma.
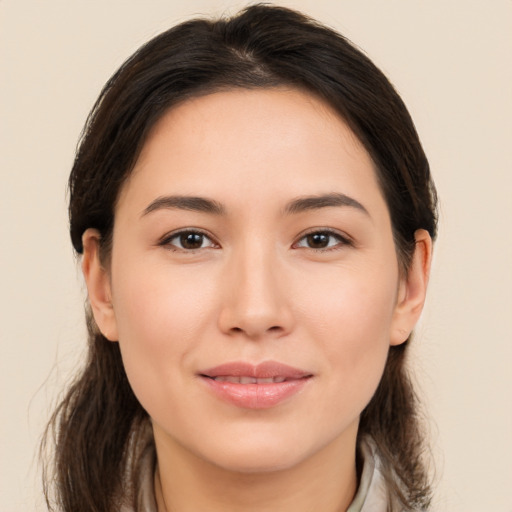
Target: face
{"x": 253, "y": 282}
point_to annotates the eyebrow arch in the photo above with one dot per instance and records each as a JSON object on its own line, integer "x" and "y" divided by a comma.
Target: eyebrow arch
{"x": 323, "y": 201}
{"x": 191, "y": 203}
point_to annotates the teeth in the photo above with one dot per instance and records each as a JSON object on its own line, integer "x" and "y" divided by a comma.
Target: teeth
{"x": 249, "y": 380}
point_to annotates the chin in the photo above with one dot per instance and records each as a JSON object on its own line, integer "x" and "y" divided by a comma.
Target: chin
{"x": 250, "y": 463}
{"x": 251, "y": 456}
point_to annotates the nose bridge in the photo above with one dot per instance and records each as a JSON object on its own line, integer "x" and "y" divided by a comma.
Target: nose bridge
{"x": 256, "y": 302}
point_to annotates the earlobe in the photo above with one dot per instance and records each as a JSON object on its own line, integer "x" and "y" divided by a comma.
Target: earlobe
{"x": 413, "y": 289}
{"x": 98, "y": 285}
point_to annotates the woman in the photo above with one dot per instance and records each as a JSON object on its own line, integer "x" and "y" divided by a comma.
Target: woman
{"x": 255, "y": 215}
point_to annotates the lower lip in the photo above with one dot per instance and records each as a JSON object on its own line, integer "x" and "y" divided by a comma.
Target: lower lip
{"x": 256, "y": 396}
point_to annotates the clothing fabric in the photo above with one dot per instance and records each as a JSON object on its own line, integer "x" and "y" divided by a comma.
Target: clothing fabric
{"x": 371, "y": 495}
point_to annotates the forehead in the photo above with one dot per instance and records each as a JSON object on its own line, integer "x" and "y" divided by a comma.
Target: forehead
{"x": 252, "y": 142}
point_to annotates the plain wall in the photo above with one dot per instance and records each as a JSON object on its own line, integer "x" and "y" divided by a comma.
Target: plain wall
{"x": 449, "y": 59}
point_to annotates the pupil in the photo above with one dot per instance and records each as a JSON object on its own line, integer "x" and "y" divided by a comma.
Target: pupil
{"x": 318, "y": 240}
{"x": 191, "y": 240}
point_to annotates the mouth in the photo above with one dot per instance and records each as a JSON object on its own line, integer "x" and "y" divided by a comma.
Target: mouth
{"x": 247, "y": 379}
{"x": 261, "y": 386}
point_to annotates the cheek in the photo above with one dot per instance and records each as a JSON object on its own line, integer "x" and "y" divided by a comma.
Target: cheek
{"x": 350, "y": 319}
{"x": 158, "y": 304}
{"x": 159, "y": 318}
{"x": 353, "y": 306}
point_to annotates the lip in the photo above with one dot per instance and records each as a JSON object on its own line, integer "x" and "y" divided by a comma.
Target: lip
{"x": 288, "y": 381}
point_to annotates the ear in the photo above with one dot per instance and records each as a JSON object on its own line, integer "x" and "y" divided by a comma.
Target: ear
{"x": 412, "y": 289}
{"x": 97, "y": 280}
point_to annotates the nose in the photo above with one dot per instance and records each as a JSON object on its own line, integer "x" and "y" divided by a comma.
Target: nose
{"x": 255, "y": 295}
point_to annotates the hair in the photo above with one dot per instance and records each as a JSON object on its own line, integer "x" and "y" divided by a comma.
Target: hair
{"x": 98, "y": 427}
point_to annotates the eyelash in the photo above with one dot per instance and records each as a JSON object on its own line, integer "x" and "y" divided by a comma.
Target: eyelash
{"x": 341, "y": 240}
{"x": 167, "y": 241}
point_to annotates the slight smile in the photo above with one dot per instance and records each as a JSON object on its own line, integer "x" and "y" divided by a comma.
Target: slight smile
{"x": 255, "y": 386}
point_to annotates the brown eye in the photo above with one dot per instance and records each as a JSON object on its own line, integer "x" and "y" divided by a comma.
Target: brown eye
{"x": 318, "y": 240}
{"x": 188, "y": 241}
{"x": 322, "y": 240}
{"x": 191, "y": 240}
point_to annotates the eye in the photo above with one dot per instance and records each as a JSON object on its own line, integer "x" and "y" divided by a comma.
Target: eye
{"x": 322, "y": 240}
{"x": 188, "y": 240}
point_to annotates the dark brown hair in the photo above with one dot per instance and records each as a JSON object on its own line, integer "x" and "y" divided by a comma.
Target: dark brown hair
{"x": 97, "y": 427}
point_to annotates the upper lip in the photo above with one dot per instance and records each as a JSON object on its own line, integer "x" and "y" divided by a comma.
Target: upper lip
{"x": 264, "y": 370}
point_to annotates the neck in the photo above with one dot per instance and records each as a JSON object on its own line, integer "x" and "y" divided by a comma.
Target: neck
{"x": 326, "y": 481}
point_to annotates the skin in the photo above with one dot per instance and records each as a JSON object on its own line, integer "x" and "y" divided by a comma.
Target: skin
{"x": 256, "y": 288}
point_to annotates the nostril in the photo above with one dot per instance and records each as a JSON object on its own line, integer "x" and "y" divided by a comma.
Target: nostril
{"x": 273, "y": 329}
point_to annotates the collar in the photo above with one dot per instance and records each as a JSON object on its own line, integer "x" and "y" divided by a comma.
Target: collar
{"x": 371, "y": 495}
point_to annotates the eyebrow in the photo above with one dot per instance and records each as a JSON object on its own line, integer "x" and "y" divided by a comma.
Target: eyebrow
{"x": 306, "y": 203}
{"x": 299, "y": 205}
{"x": 191, "y": 203}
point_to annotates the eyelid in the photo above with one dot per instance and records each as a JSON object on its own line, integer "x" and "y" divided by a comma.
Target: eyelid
{"x": 165, "y": 241}
{"x": 343, "y": 239}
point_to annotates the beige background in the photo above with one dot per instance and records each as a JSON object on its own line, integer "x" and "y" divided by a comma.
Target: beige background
{"x": 450, "y": 60}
